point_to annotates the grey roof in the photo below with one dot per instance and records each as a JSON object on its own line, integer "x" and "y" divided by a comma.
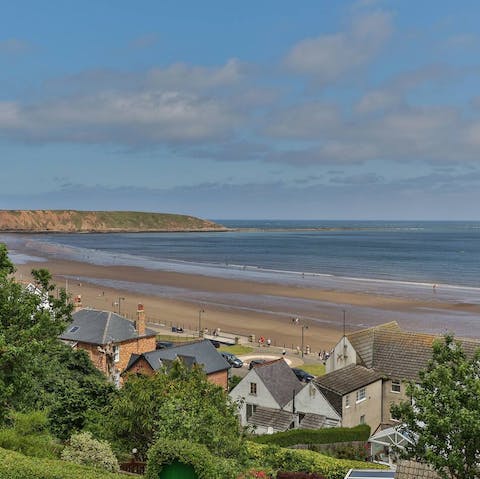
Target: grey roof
{"x": 336, "y": 384}
{"x": 275, "y": 418}
{"x": 101, "y": 327}
{"x": 199, "y": 352}
{"x": 279, "y": 379}
{"x": 414, "y": 470}
{"x": 396, "y": 353}
{"x": 348, "y": 379}
{"x": 370, "y": 474}
{"x": 313, "y": 421}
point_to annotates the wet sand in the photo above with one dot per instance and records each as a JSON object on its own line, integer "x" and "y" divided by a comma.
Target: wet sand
{"x": 248, "y": 307}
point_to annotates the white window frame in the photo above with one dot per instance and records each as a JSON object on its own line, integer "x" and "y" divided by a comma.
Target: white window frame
{"x": 361, "y": 394}
{"x": 362, "y": 419}
{"x": 347, "y": 400}
{"x": 116, "y": 353}
{"x": 397, "y": 383}
{"x": 253, "y": 389}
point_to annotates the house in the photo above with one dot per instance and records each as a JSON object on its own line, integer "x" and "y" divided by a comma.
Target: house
{"x": 109, "y": 339}
{"x": 394, "y": 354}
{"x": 353, "y": 392}
{"x": 197, "y": 352}
{"x": 272, "y": 399}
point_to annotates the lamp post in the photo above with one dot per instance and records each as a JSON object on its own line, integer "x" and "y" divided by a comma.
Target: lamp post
{"x": 304, "y": 327}
{"x": 296, "y": 321}
{"x": 120, "y": 298}
{"x": 200, "y": 311}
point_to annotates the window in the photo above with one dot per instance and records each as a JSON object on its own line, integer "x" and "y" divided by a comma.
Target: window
{"x": 74, "y": 329}
{"x": 361, "y": 394}
{"x": 312, "y": 391}
{"x": 362, "y": 419}
{"x": 347, "y": 400}
{"x": 116, "y": 353}
{"x": 251, "y": 408}
{"x": 253, "y": 389}
{"x": 396, "y": 386}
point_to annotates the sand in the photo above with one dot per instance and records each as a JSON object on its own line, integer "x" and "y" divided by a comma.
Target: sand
{"x": 261, "y": 309}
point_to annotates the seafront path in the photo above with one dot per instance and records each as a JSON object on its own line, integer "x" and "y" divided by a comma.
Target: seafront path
{"x": 256, "y": 350}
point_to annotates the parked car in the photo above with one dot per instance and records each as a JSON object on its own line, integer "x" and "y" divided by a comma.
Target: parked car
{"x": 163, "y": 344}
{"x": 256, "y": 362}
{"x": 232, "y": 359}
{"x": 302, "y": 375}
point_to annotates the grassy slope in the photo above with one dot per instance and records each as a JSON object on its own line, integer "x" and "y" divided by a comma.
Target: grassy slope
{"x": 71, "y": 220}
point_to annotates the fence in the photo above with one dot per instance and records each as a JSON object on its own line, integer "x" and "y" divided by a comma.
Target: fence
{"x": 133, "y": 467}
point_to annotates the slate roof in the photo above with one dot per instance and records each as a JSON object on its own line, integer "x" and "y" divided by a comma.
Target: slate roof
{"x": 275, "y": 418}
{"x": 101, "y": 327}
{"x": 197, "y": 352}
{"x": 348, "y": 379}
{"x": 336, "y": 384}
{"x": 313, "y": 421}
{"x": 396, "y": 353}
{"x": 414, "y": 470}
{"x": 279, "y": 379}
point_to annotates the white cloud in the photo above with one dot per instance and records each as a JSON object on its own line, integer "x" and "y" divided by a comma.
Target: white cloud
{"x": 328, "y": 57}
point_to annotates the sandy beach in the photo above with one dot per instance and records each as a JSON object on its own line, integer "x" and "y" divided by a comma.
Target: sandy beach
{"x": 247, "y": 307}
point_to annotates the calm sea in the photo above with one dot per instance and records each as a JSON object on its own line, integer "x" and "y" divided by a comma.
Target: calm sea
{"x": 349, "y": 254}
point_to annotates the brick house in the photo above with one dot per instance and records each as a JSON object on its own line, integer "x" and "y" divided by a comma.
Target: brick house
{"x": 197, "y": 352}
{"x": 109, "y": 339}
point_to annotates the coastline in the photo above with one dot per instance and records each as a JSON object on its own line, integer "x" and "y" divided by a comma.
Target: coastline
{"x": 250, "y": 307}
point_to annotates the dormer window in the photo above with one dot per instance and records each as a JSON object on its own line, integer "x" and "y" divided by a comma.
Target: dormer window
{"x": 74, "y": 329}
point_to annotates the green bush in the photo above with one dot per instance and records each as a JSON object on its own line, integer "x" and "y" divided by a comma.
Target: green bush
{"x": 205, "y": 464}
{"x": 29, "y": 435}
{"x": 87, "y": 451}
{"x": 14, "y": 465}
{"x": 275, "y": 458}
{"x": 315, "y": 436}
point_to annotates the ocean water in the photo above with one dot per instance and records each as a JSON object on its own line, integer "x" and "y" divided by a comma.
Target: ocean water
{"x": 356, "y": 255}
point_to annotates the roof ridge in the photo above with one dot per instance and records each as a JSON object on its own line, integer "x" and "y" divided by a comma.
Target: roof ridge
{"x": 107, "y": 324}
{"x": 375, "y": 328}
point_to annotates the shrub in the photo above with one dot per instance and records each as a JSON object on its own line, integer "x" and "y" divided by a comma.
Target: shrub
{"x": 205, "y": 464}
{"x": 281, "y": 459}
{"x": 315, "y": 436}
{"x": 87, "y": 451}
{"x": 14, "y": 465}
{"x": 28, "y": 434}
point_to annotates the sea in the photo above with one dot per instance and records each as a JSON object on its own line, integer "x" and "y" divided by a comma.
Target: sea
{"x": 422, "y": 260}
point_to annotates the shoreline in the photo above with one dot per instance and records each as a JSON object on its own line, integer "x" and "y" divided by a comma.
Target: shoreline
{"x": 249, "y": 307}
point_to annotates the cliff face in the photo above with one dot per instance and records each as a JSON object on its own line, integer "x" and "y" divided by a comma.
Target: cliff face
{"x": 71, "y": 221}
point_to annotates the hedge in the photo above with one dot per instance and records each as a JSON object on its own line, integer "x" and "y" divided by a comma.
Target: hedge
{"x": 205, "y": 464}
{"x": 14, "y": 465}
{"x": 315, "y": 436}
{"x": 274, "y": 458}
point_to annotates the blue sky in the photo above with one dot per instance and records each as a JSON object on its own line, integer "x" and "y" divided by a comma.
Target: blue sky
{"x": 367, "y": 109}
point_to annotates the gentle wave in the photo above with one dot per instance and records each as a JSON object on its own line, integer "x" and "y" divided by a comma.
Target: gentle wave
{"x": 387, "y": 287}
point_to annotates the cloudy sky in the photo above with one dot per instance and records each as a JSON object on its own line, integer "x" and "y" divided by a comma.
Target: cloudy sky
{"x": 321, "y": 109}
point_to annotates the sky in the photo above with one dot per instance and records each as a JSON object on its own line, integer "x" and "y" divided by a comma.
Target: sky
{"x": 319, "y": 109}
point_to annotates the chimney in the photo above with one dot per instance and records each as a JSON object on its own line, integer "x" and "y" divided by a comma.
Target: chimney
{"x": 140, "y": 322}
{"x": 77, "y": 303}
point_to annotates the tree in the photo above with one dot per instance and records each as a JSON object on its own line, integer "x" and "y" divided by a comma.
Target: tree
{"x": 444, "y": 412}
{"x": 37, "y": 371}
{"x": 176, "y": 404}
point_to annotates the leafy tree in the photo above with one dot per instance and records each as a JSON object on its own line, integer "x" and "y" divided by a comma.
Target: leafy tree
{"x": 445, "y": 413}
{"x": 6, "y": 266}
{"x": 28, "y": 433}
{"x": 37, "y": 371}
{"x": 177, "y": 404}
